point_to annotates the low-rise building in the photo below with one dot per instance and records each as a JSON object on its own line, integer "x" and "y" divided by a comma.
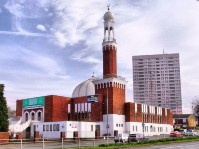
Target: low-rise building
{"x": 187, "y": 121}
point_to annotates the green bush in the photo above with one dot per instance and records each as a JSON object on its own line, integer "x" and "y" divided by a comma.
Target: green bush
{"x": 3, "y": 111}
{"x": 159, "y": 141}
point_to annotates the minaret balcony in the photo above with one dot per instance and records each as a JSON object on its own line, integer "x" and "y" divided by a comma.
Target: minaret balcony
{"x": 110, "y": 39}
{"x": 118, "y": 77}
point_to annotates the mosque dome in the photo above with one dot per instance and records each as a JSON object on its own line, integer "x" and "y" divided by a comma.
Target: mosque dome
{"x": 85, "y": 88}
{"x": 108, "y": 16}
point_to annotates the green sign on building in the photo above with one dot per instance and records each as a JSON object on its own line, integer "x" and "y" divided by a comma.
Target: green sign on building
{"x": 33, "y": 102}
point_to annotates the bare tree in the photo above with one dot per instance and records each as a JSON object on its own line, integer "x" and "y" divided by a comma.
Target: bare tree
{"x": 195, "y": 106}
{"x": 11, "y": 113}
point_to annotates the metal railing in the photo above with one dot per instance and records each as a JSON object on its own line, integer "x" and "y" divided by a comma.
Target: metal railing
{"x": 62, "y": 143}
{"x": 52, "y": 143}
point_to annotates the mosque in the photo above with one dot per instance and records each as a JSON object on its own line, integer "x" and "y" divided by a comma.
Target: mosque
{"x": 97, "y": 107}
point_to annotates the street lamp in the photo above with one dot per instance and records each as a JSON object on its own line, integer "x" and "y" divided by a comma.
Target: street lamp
{"x": 107, "y": 125}
{"x": 143, "y": 125}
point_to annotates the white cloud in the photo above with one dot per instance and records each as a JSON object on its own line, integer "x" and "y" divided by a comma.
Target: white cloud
{"x": 23, "y": 33}
{"x": 141, "y": 27}
{"x": 41, "y": 27}
{"x": 23, "y": 9}
{"x": 15, "y": 9}
{"x": 72, "y": 20}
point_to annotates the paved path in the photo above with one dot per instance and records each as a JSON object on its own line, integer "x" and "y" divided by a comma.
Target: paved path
{"x": 53, "y": 145}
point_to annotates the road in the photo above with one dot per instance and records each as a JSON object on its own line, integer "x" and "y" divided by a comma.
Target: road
{"x": 184, "y": 145}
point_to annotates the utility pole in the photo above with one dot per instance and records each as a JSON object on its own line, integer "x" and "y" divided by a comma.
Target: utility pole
{"x": 107, "y": 126}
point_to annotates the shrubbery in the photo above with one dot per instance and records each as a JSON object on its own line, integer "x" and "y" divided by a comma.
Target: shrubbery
{"x": 159, "y": 141}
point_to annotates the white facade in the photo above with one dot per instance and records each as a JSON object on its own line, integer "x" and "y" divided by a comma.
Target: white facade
{"x": 87, "y": 129}
{"x": 156, "y": 81}
{"x": 54, "y": 129}
{"x": 150, "y": 129}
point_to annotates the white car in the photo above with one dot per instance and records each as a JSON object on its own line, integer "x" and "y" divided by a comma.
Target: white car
{"x": 121, "y": 138}
{"x": 191, "y": 133}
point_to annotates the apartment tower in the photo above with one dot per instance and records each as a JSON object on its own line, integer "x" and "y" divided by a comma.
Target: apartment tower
{"x": 156, "y": 81}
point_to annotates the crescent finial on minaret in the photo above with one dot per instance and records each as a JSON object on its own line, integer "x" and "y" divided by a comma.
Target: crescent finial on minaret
{"x": 108, "y": 6}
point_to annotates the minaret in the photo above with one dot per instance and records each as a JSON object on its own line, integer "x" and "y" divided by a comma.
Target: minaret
{"x": 109, "y": 47}
{"x": 111, "y": 86}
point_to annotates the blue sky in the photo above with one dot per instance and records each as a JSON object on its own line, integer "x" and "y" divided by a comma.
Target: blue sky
{"x": 48, "y": 47}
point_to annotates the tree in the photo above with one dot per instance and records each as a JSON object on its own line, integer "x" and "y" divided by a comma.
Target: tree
{"x": 11, "y": 112}
{"x": 195, "y": 106}
{"x": 3, "y": 111}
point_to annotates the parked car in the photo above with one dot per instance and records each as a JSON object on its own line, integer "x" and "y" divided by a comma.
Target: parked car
{"x": 136, "y": 138}
{"x": 191, "y": 133}
{"x": 175, "y": 134}
{"x": 121, "y": 138}
{"x": 183, "y": 131}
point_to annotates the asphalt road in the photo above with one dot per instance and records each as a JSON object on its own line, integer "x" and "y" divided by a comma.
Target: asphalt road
{"x": 184, "y": 145}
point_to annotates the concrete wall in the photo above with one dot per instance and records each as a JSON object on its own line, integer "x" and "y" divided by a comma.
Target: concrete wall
{"x": 150, "y": 129}
{"x": 84, "y": 129}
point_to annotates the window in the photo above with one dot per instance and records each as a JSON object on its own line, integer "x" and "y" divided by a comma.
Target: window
{"x": 26, "y": 117}
{"x": 32, "y": 116}
{"x": 47, "y": 127}
{"x": 44, "y": 128}
{"x": 39, "y": 116}
{"x": 50, "y": 127}
{"x": 91, "y": 127}
{"x": 97, "y": 127}
{"x": 57, "y": 127}
{"x": 54, "y": 127}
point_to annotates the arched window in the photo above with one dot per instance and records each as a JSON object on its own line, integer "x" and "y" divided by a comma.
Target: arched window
{"x": 39, "y": 116}
{"x": 32, "y": 116}
{"x": 26, "y": 117}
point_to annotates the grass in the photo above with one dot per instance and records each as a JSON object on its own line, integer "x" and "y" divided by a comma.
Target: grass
{"x": 145, "y": 143}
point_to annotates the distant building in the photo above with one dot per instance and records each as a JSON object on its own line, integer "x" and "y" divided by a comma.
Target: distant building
{"x": 97, "y": 107}
{"x": 187, "y": 121}
{"x": 156, "y": 81}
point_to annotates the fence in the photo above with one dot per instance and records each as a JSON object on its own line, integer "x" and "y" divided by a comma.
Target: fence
{"x": 61, "y": 143}
{"x": 53, "y": 143}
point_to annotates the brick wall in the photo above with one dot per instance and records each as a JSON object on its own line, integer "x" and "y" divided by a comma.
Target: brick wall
{"x": 4, "y": 137}
{"x": 19, "y": 107}
{"x": 109, "y": 61}
{"x": 170, "y": 117}
{"x": 130, "y": 112}
{"x": 156, "y": 116}
{"x": 56, "y": 108}
{"x": 139, "y": 112}
{"x": 48, "y": 109}
{"x": 131, "y": 116}
{"x": 116, "y": 100}
{"x": 96, "y": 109}
{"x": 163, "y": 116}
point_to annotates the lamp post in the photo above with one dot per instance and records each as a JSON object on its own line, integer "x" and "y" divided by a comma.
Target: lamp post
{"x": 107, "y": 125}
{"x": 143, "y": 125}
